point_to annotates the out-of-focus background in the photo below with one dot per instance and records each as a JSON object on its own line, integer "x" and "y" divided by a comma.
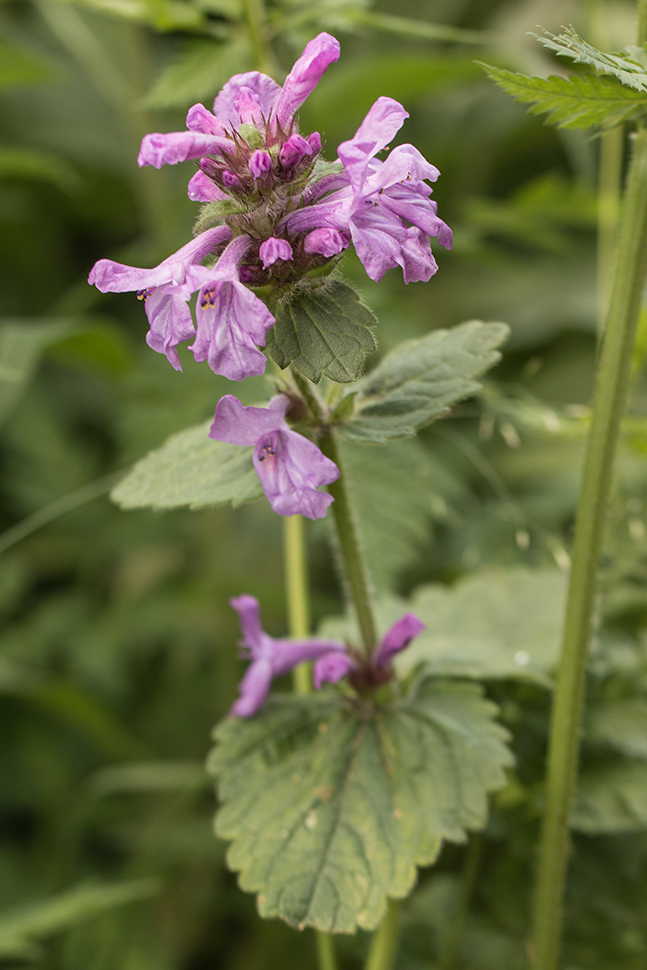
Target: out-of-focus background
{"x": 117, "y": 647}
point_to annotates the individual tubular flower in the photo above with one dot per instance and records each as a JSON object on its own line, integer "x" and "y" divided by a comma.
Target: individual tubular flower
{"x": 380, "y": 199}
{"x": 165, "y": 289}
{"x": 273, "y": 249}
{"x": 270, "y": 657}
{"x": 231, "y": 320}
{"x": 291, "y": 468}
{"x": 333, "y": 666}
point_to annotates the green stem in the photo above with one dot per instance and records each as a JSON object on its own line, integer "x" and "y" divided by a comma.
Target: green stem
{"x": 351, "y": 550}
{"x": 608, "y": 405}
{"x": 296, "y": 584}
{"x": 326, "y": 951}
{"x": 456, "y": 927}
{"x": 609, "y": 197}
{"x": 385, "y": 941}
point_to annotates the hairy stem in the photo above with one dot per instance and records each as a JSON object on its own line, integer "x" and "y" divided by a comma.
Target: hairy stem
{"x": 385, "y": 941}
{"x": 351, "y": 551}
{"x": 608, "y": 405}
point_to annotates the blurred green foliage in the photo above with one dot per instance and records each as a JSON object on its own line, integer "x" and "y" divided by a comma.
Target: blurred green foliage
{"x": 117, "y": 651}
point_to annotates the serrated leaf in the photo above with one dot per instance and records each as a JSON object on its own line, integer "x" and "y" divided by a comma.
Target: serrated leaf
{"x": 19, "y": 927}
{"x": 324, "y": 330}
{"x": 331, "y": 804}
{"x": 611, "y": 799}
{"x": 497, "y": 625}
{"x": 420, "y": 379}
{"x": 200, "y": 70}
{"x": 620, "y": 723}
{"x": 190, "y": 469}
{"x": 629, "y": 70}
{"x": 579, "y": 101}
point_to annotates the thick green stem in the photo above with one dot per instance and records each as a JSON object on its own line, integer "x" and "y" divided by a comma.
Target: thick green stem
{"x": 351, "y": 551}
{"x": 608, "y": 405}
{"x": 385, "y": 941}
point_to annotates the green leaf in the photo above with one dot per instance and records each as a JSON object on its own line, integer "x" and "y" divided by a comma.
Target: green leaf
{"x": 631, "y": 70}
{"x": 199, "y": 71}
{"x": 420, "y": 379}
{"x": 611, "y": 799}
{"x": 323, "y": 330}
{"x": 332, "y": 804}
{"x": 579, "y": 101}
{"x": 21, "y": 345}
{"x": 394, "y": 489}
{"x": 19, "y": 926}
{"x": 496, "y": 625}
{"x": 620, "y": 723}
{"x": 190, "y": 469}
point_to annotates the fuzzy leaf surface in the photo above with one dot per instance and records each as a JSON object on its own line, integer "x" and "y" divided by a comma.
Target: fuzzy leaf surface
{"x": 497, "y": 625}
{"x": 418, "y": 380}
{"x": 630, "y": 70}
{"x": 331, "y": 805}
{"x": 190, "y": 469}
{"x": 580, "y": 101}
{"x": 324, "y": 331}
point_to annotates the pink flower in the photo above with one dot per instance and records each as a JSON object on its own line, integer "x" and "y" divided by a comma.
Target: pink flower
{"x": 291, "y": 468}
{"x": 270, "y": 658}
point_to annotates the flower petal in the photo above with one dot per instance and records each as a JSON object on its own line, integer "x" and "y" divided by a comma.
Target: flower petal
{"x": 200, "y": 119}
{"x": 286, "y": 654}
{"x": 273, "y": 249}
{"x": 231, "y": 322}
{"x": 383, "y": 120}
{"x": 397, "y": 638}
{"x": 254, "y": 688}
{"x": 240, "y": 425}
{"x": 330, "y": 668}
{"x": 225, "y": 106}
{"x": 249, "y": 613}
{"x": 170, "y": 321}
{"x": 203, "y": 189}
{"x": 304, "y": 76}
{"x": 291, "y": 472}
{"x": 178, "y": 146}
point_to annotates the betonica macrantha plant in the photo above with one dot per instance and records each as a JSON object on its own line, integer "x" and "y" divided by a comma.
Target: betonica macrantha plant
{"x": 332, "y": 822}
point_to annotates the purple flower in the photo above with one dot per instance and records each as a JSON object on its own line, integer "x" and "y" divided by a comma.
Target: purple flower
{"x": 250, "y": 98}
{"x": 273, "y": 249}
{"x": 231, "y": 320}
{"x": 328, "y": 242}
{"x": 294, "y": 149}
{"x": 165, "y": 289}
{"x": 270, "y": 658}
{"x": 291, "y": 468}
{"x": 331, "y": 667}
{"x": 380, "y": 199}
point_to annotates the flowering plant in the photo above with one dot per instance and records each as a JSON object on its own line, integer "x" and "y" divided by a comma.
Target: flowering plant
{"x": 276, "y": 218}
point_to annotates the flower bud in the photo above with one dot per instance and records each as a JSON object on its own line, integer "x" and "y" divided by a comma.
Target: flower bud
{"x": 260, "y": 164}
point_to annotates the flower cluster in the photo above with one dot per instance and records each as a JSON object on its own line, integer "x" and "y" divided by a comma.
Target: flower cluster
{"x": 272, "y": 657}
{"x": 274, "y": 212}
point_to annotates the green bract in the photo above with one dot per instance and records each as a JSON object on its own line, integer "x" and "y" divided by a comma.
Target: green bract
{"x": 326, "y": 331}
